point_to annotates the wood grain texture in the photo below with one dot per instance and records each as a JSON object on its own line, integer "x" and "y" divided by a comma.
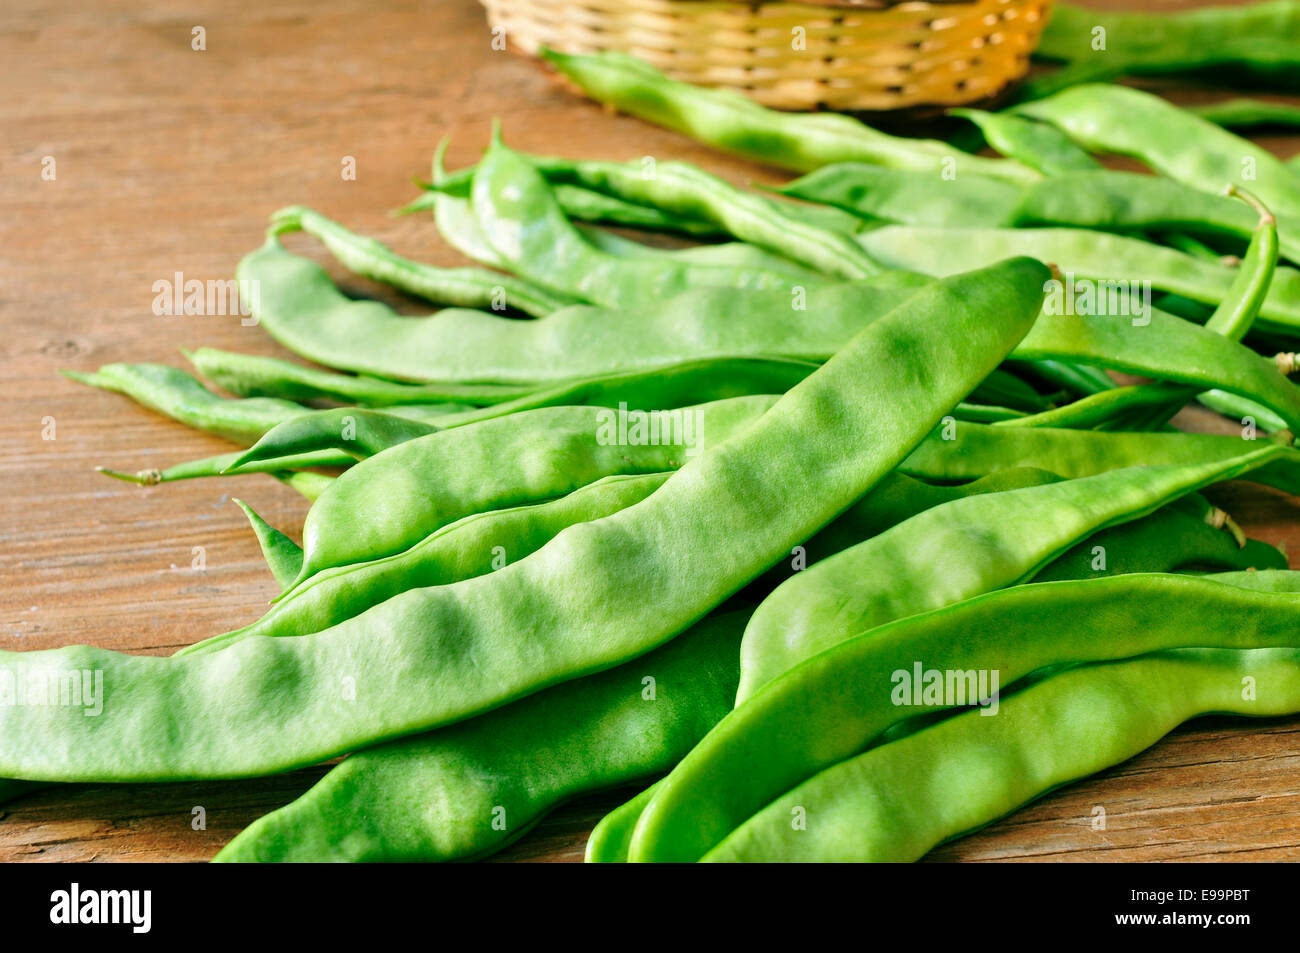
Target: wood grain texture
{"x": 168, "y": 160}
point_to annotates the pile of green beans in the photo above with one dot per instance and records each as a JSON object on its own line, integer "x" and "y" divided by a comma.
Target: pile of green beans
{"x": 676, "y": 512}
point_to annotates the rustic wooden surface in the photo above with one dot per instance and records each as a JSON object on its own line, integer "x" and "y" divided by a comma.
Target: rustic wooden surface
{"x": 168, "y": 159}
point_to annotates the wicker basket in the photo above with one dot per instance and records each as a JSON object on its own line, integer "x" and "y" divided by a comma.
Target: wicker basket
{"x": 868, "y": 55}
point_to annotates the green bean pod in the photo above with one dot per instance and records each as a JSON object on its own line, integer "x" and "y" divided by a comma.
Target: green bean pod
{"x": 1270, "y": 580}
{"x": 528, "y": 230}
{"x": 726, "y": 254}
{"x": 613, "y": 178}
{"x": 588, "y": 205}
{"x": 1250, "y": 114}
{"x": 1182, "y": 536}
{"x": 611, "y": 837}
{"x": 1242, "y": 410}
{"x": 434, "y": 656}
{"x": 678, "y": 385}
{"x": 301, "y": 307}
{"x": 282, "y": 555}
{"x": 461, "y": 287}
{"x": 894, "y": 499}
{"x": 455, "y": 219}
{"x": 1104, "y": 407}
{"x": 1128, "y": 201}
{"x": 1036, "y": 144}
{"x": 1108, "y": 262}
{"x": 1232, "y": 319}
{"x": 253, "y": 375}
{"x": 358, "y": 432}
{"x": 962, "y": 451}
{"x": 394, "y": 499}
{"x": 955, "y": 551}
{"x": 1127, "y": 121}
{"x": 470, "y": 789}
{"x": 907, "y": 196}
{"x": 897, "y": 801}
{"x": 688, "y": 191}
{"x": 832, "y": 707}
{"x": 180, "y": 396}
{"x": 732, "y": 123}
{"x": 308, "y": 483}
{"x": 223, "y": 464}
{"x": 471, "y": 546}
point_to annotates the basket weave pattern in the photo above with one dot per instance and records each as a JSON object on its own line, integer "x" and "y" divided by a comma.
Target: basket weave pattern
{"x": 797, "y": 56}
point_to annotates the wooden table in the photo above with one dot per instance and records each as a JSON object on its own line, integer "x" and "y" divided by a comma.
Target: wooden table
{"x": 167, "y": 159}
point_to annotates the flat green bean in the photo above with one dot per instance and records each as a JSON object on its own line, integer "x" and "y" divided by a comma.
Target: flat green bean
{"x": 483, "y": 542}
{"x": 306, "y": 482}
{"x": 1172, "y": 539}
{"x": 987, "y": 542}
{"x": 611, "y": 837}
{"x": 302, "y": 308}
{"x": 897, "y": 498}
{"x": 1250, "y": 113}
{"x": 1268, "y": 580}
{"x": 906, "y": 196}
{"x": 1129, "y": 201}
{"x": 1108, "y": 261}
{"x": 588, "y": 205}
{"x": 469, "y": 789}
{"x": 664, "y": 388}
{"x": 753, "y": 217}
{"x": 1038, "y": 145}
{"x": 355, "y": 431}
{"x": 392, "y": 500}
{"x": 735, "y": 124}
{"x": 222, "y": 464}
{"x": 180, "y": 396}
{"x": 252, "y": 375}
{"x": 520, "y": 218}
{"x": 1127, "y": 121}
{"x": 596, "y": 175}
{"x": 282, "y": 555}
{"x": 962, "y": 451}
{"x": 1101, "y": 408}
{"x": 730, "y": 254}
{"x": 1232, "y": 319}
{"x": 462, "y": 287}
{"x": 455, "y": 219}
{"x": 471, "y": 546}
{"x": 690, "y": 382}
